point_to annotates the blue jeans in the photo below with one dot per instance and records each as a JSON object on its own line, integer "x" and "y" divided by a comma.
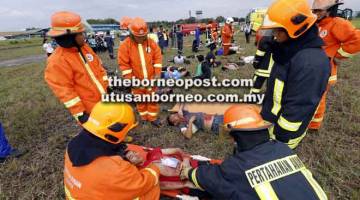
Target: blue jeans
{"x": 5, "y": 147}
{"x": 217, "y": 122}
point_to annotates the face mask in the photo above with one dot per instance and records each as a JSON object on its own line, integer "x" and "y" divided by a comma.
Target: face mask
{"x": 66, "y": 41}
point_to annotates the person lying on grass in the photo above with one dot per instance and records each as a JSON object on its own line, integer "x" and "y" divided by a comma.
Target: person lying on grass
{"x": 190, "y": 123}
{"x": 170, "y": 160}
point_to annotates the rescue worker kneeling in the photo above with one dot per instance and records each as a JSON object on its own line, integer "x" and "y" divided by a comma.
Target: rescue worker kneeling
{"x": 94, "y": 164}
{"x": 259, "y": 169}
{"x": 300, "y": 72}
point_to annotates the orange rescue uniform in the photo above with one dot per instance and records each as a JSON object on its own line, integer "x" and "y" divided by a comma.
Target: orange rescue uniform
{"x": 226, "y": 36}
{"x": 141, "y": 61}
{"x": 342, "y": 40}
{"x": 110, "y": 177}
{"x": 78, "y": 83}
{"x": 214, "y": 35}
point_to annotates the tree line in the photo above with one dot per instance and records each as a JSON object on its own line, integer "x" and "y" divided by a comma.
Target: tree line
{"x": 190, "y": 20}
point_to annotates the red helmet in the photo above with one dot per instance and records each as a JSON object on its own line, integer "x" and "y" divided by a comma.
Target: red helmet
{"x": 138, "y": 27}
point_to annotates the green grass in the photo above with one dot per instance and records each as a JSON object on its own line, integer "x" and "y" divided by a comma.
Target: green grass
{"x": 20, "y": 42}
{"x": 21, "y": 52}
{"x": 11, "y": 49}
{"x": 35, "y": 120}
{"x": 356, "y": 22}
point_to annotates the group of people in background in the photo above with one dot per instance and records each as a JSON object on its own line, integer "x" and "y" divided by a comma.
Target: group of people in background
{"x": 299, "y": 60}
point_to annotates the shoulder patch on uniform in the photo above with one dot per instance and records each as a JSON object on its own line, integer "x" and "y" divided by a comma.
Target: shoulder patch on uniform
{"x": 323, "y": 33}
{"x": 148, "y": 49}
{"x": 90, "y": 57}
{"x": 274, "y": 170}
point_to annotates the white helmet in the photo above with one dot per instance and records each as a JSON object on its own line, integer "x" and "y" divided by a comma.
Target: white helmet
{"x": 229, "y": 20}
{"x": 325, "y": 4}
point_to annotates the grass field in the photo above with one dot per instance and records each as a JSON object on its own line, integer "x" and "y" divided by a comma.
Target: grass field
{"x": 11, "y": 49}
{"x": 35, "y": 120}
{"x": 356, "y": 22}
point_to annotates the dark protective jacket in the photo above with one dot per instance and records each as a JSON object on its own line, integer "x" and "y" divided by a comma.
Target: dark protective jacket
{"x": 296, "y": 84}
{"x": 263, "y": 63}
{"x": 263, "y": 58}
{"x": 268, "y": 171}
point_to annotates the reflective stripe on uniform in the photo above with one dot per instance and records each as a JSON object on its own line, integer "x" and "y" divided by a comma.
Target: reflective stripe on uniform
{"x": 255, "y": 90}
{"x": 68, "y": 194}
{"x": 318, "y": 190}
{"x": 72, "y": 102}
{"x": 260, "y": 53}
{"x": 241, "y": 121}
{"x": 344, "y": 53}
{"x": 287, "y": 125}
{"x": 158, "y": 65}
{"x": 271, "y": 63}
{"x": 152, "y": 114}
{"x": 266, "y": 192}
{"x": 92, "y": 76}
{"x": 153, "y": 172}
{"x": 317, "y": 119}
{"x": 293, "y": 143}
{"x": 254, "y": 79}
{"x": 77, "y": 115}
{"x": 271, "y": 132}
{"x": 142, "y": 59}
{"x": 194, "y": 179}
{"x": 126, "y": 72}
{"x": 278, "y": 90}
{"x": 262, "y": 73}
{"x": 333, "y": 78}
{"x": 265, "y": 72}
{"x": 143, "y": 113}
{"x": 75, "y": 28}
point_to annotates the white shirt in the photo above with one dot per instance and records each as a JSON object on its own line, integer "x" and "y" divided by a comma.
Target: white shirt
{"x": 179, "y": 60}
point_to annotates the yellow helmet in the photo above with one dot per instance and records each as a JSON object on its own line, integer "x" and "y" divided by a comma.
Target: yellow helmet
{"x": 111, "y": 121}
{"x": 294, "y": 16}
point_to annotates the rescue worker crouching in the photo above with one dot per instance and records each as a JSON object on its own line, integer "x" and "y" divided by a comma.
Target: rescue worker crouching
{"x": 342, "y": 41}
{"x": 140, "y": 57}
{"x": 259, "y": 169}
{"x": 300, "y": 72}
{"x": 74, "y": 72}
{"x": 95, "y": 165}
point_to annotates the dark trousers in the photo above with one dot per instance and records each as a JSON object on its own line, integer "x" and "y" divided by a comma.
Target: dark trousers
{"x": 180, "y": 45}
{"x": 247, "y": 36}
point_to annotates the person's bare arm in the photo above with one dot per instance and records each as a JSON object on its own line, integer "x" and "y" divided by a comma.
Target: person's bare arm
{"x": 188, "y": 133}
{"x": 181, "y": 109}
{"x": 171, "y": 151}
{"x": 166, "y": 185}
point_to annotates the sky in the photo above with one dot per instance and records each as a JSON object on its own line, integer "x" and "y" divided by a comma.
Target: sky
{"x": 16, "y": 15}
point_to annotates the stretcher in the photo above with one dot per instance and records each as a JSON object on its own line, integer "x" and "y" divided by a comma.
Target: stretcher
{"x": 151, "y": 154}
